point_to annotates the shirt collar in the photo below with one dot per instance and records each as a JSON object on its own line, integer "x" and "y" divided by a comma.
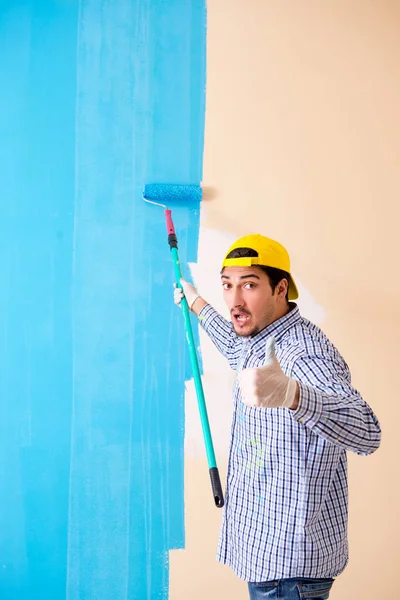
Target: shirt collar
{"x": 277, "y": 329}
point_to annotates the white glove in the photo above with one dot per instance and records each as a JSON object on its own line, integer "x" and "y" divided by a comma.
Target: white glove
{"x": 267, "y": 386}
{"x": 189, "y": 291}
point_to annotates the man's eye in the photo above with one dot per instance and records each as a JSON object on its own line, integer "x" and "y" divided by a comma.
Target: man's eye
{"x": 226, "y": 286}
{"x": 250, "y": 286}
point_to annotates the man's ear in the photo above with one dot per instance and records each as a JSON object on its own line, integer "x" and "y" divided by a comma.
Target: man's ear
{"x": 282, "y": 287}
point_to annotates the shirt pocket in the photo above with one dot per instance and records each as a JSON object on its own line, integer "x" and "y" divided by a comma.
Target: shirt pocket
{"x": 315, "y": 590}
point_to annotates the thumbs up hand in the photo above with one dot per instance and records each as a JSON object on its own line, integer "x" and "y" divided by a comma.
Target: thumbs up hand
{"x": 268, "y": 386}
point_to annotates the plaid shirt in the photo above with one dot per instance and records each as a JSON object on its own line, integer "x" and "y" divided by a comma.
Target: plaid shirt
{"x": 286, "y": 493}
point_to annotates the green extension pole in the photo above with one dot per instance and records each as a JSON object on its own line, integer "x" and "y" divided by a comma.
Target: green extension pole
{"x": 157, "y": 194}
{"x": 212, "y": 464}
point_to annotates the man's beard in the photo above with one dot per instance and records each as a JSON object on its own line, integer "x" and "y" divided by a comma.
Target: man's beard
{"x": 250, "y": 333}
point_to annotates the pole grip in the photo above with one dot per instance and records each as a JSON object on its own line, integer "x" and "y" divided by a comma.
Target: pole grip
{"x": 216, "y": 487}
{"x": 172, "y": 239}
{"x": 169, "y": 222}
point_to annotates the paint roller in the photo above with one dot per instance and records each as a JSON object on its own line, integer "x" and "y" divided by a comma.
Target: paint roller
{"x": 162, "y": 195}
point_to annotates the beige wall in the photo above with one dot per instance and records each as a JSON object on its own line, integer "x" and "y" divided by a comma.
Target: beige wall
{"x": 303, "y": 145}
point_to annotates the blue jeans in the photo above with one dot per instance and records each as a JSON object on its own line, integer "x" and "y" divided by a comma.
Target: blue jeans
{"x": 291, "y": 589}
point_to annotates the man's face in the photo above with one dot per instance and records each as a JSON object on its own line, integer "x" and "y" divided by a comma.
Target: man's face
{"x": 250, "y": 300}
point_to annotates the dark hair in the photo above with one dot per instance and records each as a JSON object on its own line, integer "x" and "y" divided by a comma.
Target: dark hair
{"x": 274, "y": 275}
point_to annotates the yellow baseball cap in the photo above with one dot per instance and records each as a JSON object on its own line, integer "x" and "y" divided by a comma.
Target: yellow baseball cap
{"x": 269, "y": 254}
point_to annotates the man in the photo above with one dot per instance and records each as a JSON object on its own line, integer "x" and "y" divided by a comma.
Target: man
{"x": 296, "y": 414}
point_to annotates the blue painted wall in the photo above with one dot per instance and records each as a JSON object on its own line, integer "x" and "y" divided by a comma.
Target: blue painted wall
{"x": 96, "y": 98}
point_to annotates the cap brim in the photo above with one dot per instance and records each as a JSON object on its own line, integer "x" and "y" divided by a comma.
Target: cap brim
{"x": 293, "y": 291}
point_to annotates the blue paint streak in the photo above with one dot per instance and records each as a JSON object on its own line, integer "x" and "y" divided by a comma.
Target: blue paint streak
{"x": 140, "y": 119}
{"x": 37, "y": 155}
{"x": 97, "y": 98}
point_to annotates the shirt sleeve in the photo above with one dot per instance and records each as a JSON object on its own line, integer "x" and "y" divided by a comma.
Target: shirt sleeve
{"x": 332, "y": 408}
{"x": 221, "y": 333}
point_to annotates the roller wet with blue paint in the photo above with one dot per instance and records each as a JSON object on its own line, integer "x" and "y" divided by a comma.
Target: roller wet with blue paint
{"x": 163, "y": 195}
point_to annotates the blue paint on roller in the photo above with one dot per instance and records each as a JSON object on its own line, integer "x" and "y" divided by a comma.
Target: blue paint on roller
{"x": 172, "y": 194}
{"x": 97, "y": 99}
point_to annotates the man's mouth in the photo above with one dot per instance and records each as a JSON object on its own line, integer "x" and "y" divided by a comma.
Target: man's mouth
{"x": 240, "y": 318}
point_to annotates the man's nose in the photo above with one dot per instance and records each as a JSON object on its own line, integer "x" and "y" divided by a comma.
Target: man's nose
{"x": 237, "y": 298}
